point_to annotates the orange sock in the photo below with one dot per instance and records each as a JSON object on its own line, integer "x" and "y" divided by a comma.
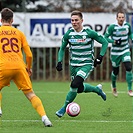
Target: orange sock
{"x": 37, "y": 104}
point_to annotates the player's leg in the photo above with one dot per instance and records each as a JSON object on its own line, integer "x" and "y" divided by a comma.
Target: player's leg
{"x": 78, "y": 76}
{"x": 23, "y": 82}
{"x": 82, "y": 74}
{"x": 38, "y": 106}
{"x": 126, "y": 59}
{"x": 96, "y": 89}
{"x": 128, "y": 67}
{"x": 1, "y": 85}
{"x": 115, "y": 60}
{"x": 114, "y": 75}
{"x": 0, "y": 109}
{"x": 71, "y": 95}
{"x": 5, "y": 77}
{"x": 0, "y": 104}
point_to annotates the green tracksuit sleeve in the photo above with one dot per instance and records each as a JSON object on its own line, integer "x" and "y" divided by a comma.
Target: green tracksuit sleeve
{"x": 109, "y": 33}
{"x": 62, "y": 48}
{"x": 99, "y": 38}
{"x": 130, "y": 33}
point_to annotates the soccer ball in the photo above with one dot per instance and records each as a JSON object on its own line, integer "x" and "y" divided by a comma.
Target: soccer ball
{"x": 73, "y": 109}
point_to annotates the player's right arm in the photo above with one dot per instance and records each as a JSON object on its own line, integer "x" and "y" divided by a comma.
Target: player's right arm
{"x": 109, "y": 33}
{"x": 61, "y": 52}
{"x": 62, "y": 47}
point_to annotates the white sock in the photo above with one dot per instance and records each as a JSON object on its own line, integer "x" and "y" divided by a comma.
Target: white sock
{"x": 44, "y": 117}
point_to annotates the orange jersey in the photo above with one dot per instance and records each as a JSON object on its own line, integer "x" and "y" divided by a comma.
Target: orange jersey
{"x": 12, "y": 42}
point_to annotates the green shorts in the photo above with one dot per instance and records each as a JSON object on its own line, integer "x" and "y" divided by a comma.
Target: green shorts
{"x": 116, "y": 60}
{"x": 82, "y": 71}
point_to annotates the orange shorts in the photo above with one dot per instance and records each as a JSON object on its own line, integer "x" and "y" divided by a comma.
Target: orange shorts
{"x": 20, "y": 78}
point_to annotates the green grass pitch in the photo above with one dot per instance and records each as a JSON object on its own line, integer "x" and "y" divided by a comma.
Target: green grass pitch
{"x": 97, "y": 116}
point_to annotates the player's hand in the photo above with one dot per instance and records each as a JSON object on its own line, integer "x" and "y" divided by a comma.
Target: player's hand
{"x": 98, "y": 60}
{"x": 29, "y": 71}
{"x": 118, "y": 42}
{"x": 59, "y": 66}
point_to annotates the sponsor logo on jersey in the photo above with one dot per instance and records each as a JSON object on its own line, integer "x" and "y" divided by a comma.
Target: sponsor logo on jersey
{"x": 78, "y": 40}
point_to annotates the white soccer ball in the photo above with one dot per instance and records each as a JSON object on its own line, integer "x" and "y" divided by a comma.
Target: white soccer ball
{"x": 73, "y": 109}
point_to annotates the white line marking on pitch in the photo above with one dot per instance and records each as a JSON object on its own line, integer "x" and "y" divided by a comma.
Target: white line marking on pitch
{"x": 94, "y": 121}
{"x": 76, "y": 121}
{"x": 107, "y": 92}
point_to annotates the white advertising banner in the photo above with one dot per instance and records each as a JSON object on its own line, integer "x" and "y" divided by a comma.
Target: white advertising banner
{"x": 47, "y": 29}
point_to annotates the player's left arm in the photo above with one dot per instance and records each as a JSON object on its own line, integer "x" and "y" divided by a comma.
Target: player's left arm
{"x": 130, "y": 34}
{"x": 99, "y": 38}
{"x": 29, "y": 59}
{"x": 28, "y": 53}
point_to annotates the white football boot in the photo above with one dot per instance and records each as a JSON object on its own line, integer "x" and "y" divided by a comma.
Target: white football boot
{"x": 46, "y": 122}
{"x": 114, "y": 91}
{"x": 130, "y": 93}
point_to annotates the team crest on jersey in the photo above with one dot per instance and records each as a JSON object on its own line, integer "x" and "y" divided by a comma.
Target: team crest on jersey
{"x": 84, "y": 37}
{"x": 72, "y": 37}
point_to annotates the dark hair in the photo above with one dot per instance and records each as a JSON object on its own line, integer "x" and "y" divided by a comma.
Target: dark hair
{"x": 120, "y": 12}
{"x": 6, "y": 14}
{"x": 76, "y": 12}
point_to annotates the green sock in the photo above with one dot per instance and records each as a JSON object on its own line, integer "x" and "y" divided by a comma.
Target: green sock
{"x": 129, "y": 79}
{"x": 90, "y": 88}
{"x": 70, "y": 96}
{"x": 113, "y": 79}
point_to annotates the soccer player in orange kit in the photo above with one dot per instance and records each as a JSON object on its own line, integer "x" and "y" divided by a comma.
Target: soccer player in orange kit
{"x": 12, "y": 66}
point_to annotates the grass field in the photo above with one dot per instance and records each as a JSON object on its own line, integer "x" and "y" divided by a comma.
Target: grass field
{"x": 97, "y": 116}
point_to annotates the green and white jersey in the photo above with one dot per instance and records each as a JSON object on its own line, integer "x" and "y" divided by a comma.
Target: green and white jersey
{"x": 115, "y": 32}
{"x": 81, "y": 46}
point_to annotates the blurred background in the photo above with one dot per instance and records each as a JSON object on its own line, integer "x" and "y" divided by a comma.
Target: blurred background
{"x": 45, "y": 21}
{"x": 67, "y": 5}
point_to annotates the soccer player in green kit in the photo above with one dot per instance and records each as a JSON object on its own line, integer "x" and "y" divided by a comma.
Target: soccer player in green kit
{"x": 119, "y": 34}
{"x": 81, "y": 47}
